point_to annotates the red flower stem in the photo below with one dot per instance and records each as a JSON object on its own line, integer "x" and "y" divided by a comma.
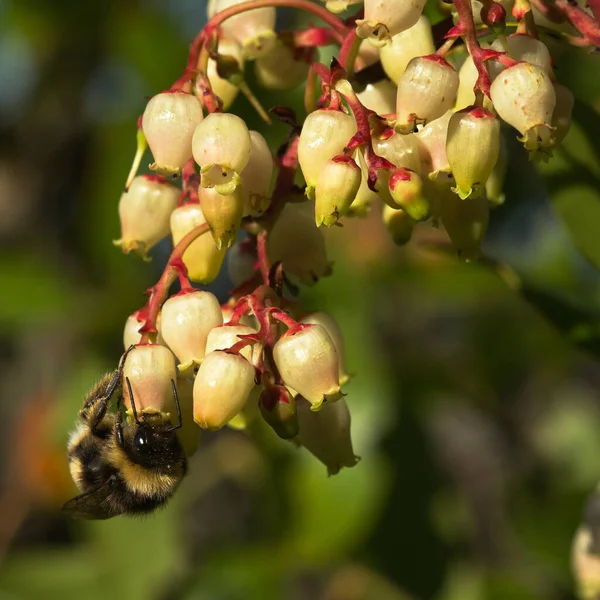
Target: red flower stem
{"x": 594, "y": 6}
{"x": 447, "y": 45}
{"x": 160, "y": 290}
{"x": 582, "y": 21}
{"x": 317, "y": 69}
{"x": 306, "y": 5}
{"x": 284, "y": 318}
{"x": 263, "y": 258}
{"x": 241, "y": 308}
{"x": 349, "y": 51}
{"x": 466, "y": 29}
{"x": 313, "y": 37}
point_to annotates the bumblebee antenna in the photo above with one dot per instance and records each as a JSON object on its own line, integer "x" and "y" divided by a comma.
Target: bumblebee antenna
{"x": 177, "y": 406}
{"x": 132, "y": 401}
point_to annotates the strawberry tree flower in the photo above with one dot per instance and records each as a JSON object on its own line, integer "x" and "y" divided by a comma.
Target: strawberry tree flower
{"x": 283, "y": 68}
{"x": 229, "y": 50}
{"x": 398, "y": 223}
{"x": 256, "y": 176}
{"x": 223, "y": 213}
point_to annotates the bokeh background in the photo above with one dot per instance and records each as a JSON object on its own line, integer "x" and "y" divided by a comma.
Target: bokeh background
{"x": 476, "y": 396}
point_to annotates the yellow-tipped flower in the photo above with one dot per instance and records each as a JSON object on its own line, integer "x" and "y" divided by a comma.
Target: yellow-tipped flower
{"x": 223, "y": 213}
{"x": 202, "y": 258}
{"x": 144, "y": 211}
{"x": 222, "y": 386}
{"x": 325, "y": 134}
{"x": 308, "y": 363}
{"x": 385, "y": 18}
{"x": 426, "y": 90}
{"x": 168, "y": 123}
{"x": 472, "y": 147}
{"x": 337, "y": 187}
{"x": 326, "y": 434}
{"x": 524, "y": 97}
{"x": 406, "y": 45}
{"x": 186, "y": 320}
{"x": 150, "y": 370}
{"x": 221, "y": 146}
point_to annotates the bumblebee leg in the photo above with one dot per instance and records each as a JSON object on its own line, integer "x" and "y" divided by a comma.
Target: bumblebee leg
{"x": 119, "y": 425}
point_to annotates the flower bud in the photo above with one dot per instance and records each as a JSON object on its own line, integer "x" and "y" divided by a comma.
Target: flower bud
{"x": 524, "y": 97}
{"x": 472, "y": 148}
{"x": 406, "y": 45}
{"x": 585, "y": 563}
{"x": 168, "y": 123}
{"x": 222, "y": 386}
{"x": 399, "y": 224}
{"x": 150, "y": 370}
{"x": 221, "y": 146}
{"x": 561, "y": 117}
{"x": 385, "y": 18}
{"x": 379, "y": 97}
{"x": 144, "y": 211}
{"x": 188, "y": 433}
{"x": 202, "y": 258}
{"x": 466, "y": 222}
{"x": 223, "y": 213}
{"x": 278, "y": 408}
{"x": 522, "y": 47}
{"x": 222, "y": 87}
{"x": 432, "y": 145}
{"x": 283, "y": 68}
{"x": 406, "y": 193}
{"x": 426, "y": 90}
{"x": 328, "y": 323}
{"x": 298, "y": 243}
{"x": 131, "y": 332}
{"x": 337, "y": 187}
{"x": 253, "y": 29}
{"x": 308, "y": 363}
{"x": 225, "y": 336}
{"x": 325, "y": 134}
{"x": 326, "y": 434}
{"x": 256, "y": 176}
{"x": 240, "y": 263}
{"x": 186, "y": 320}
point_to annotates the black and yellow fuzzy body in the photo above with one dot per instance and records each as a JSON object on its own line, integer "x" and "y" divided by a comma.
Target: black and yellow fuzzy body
{"x": 129, "y": 468}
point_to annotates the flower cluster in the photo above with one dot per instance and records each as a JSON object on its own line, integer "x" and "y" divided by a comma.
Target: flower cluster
{"x": 425, "y": 141}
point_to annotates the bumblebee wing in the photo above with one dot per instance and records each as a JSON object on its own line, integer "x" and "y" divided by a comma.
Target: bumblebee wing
{"x": 91, "y": 504}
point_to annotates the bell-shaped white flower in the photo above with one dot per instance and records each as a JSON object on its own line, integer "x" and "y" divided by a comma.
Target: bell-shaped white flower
{"x": 169, "y": 122}
{"x": 223, "y": 213}
{"x": 144, "y": 211}
{"x": 202, "y": 258}
{"x": 225, "y": 336}
{"x": 221, "y": 146}
{"x": 385, "y": 18}
{"x": 379, "y": 97}
{"x": 522, "y": 47}
{"x": 131, "y": 331}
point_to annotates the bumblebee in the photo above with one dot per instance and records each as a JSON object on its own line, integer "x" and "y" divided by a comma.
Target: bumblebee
{"x": 129, "y": 468}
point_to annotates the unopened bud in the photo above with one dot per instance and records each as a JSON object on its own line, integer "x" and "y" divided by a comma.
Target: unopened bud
{"x": 326, "y": 434}
{"x": 337, "y": 187}
{"x": 399, "y": 224}
{"x": 150, "y": 370}
{"x": 188, "y": 433}
{"x": 406, "y": 45}
{"x": 278, "y": 408}
{"x": 466, "y": 222}
{"x": 221, "y": 146}
{"x": 472, "y": 148}
{"x": 221, "y": 389}
{"x": 223, "y": 213}
{"x": 328, "y": 323}
{"x": 283, "y": 68}
{"x": 308, "y": 362}
{"x": 186, "y": 320}
{"x": 561, "y": 117}
{"x": 222, "y": 87}
{"x": 256, "y": 176}
{"x": 144, "y": 210}
{"x": 325, "y": 134}
{"x": 493, "y": 14}
{"x": 202, "y": 258}
{"x": 524, "y": 97}
{"x": 379, "y": 97}
{"x": 298, "y": 243}
{"x": 168, "y": 123}
{"x": 253, "y": 29}
{"x": 406, "y": 193}
{"x": 426, "y": 90}
{"x": 225, "y": 336}
{"x": 385, "y": 18}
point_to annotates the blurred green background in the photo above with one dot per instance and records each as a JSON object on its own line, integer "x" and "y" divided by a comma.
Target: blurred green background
{"x": 475, "y": 403}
